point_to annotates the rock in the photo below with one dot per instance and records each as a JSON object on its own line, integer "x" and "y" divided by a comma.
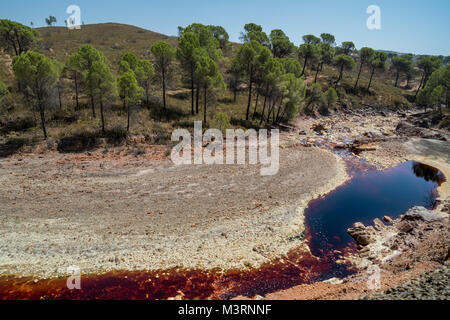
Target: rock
{"x": 387, "y": 219}
{"x": 363, "y": 240}
{"x": 407, "y": 129}
{"x": 334, "y": 281}
{"x": 370, "y": 230}
{"x": 379, "y": 225}
{"x": 421, "y": 214}
{"x": 360, "y": 234}
{"x": 358, "y": 225}
{"x": 405, "y": 226}
{"x": 319, "y": 128}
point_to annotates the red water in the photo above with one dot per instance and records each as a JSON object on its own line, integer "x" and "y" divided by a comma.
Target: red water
{"x": 296, "y": 268}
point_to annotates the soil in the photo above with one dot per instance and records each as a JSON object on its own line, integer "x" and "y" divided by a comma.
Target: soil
{"x": 103, "y": 214}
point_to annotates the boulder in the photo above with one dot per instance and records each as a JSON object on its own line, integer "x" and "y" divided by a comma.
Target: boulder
{"x": 360, "y": 234}
{"x": 407, "y": 129}
{"x": 363, "y": 239}
{"x": 421, "y": 214}
{"x": 405, "y": 226}
{"x": 388, "y": 219}
{"x": 379, "y": 225}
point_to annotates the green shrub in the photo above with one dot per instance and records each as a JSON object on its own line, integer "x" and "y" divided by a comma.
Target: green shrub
{"x": 221, "y": 121}
{"x": 3, "y": 89}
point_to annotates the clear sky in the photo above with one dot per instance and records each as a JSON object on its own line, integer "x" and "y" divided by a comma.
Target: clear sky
{"x": 410, "y": 26}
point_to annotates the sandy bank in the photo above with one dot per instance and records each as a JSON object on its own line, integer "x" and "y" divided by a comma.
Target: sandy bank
{"x": 55, "y": 214}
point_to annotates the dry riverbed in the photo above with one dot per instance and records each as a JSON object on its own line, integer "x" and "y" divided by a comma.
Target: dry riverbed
{"x": 155, "y": 216}
{"x": 105, "y": 211}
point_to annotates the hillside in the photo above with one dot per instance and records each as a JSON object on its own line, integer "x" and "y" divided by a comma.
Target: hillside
{"x": 116, "y": 39}
{"x": 112, "y": 39}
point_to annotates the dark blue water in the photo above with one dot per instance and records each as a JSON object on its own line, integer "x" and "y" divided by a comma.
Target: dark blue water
{"x": 368, "y": 195}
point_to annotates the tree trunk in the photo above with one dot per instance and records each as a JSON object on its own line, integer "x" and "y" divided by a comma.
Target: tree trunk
{"x": 42, "y": 113}
{"x": 263, "y": 110}
{"x": 340, "y": 76}
{"x": 235, "y": 91}
{"x": 197, "y": 98}
{"x": 249, "y": 93}
{"x": 204, "y": 108}
{"x": 92, "y": 104}
{"x": 304, "y": 66}
{"x": 59, "y": 97}
{"x": 396, "y": 79}
{"x": 317, "y": 72}
{"x": 102, "y": 114}
{"x": 271, "y": 105}
{"x": 164, "y": 87}
{"x": 371, "y": 76}
{"x": 425, "y": 80}
{"x": 128, "y": 118}
{"x": 192, "y": 94}
{"x": 277, "y": 119}
{"x": 359, "y": 75}
{"x": 256, "y": 106}
{"x": 418, "y": 88}
{"x": 76, "y": 91}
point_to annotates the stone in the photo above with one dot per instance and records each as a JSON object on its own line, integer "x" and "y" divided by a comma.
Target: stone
{"x": 421, "y": 214}
{"x": 379, "y": 225}
{"x": 407, "y": 129}
{"x": 405, "y": 226}
{"x": 363, "y": 240}
{"x": 387, "y": 219}
{"x": 358, "y": 225}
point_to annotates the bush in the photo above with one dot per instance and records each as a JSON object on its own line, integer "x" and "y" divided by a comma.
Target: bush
{"x": 159, "y": 134}
{"x": 330, "y": 97}
{"x": 221, "y": 121}
{"x": 17, "y": 124}
{"x": 3, "y": 90}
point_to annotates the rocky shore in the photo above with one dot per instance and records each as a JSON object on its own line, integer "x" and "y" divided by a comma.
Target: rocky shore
{"x": 434, "y": 285}
{"x": 384, "y": 241}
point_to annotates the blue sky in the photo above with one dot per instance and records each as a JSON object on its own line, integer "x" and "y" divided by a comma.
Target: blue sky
{"x": 407, "y": 26}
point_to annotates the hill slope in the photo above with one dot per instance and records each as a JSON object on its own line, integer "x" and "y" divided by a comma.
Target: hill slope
{"x": 112, "y": 39}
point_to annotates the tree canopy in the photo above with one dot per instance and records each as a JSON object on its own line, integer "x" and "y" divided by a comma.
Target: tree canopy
{"x": 343, "y": 62}
{"x": 280, "y": 44}
{"x": 38, "y": 75}
{"x": 377, "y": 62}
{"x": 208, "y": 76}
{"x": 129, "y": 92}
{"x": 254, "y": 32}
{"x": 164, "y": 55}
{"x": 401, "y": 65}
{"x": 328, "y": 39}
{"x": 16, "y": 38}
{"x": 365, "y": 56}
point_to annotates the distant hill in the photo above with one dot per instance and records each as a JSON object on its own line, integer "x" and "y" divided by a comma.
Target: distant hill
{"x": 112, "y": 39}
